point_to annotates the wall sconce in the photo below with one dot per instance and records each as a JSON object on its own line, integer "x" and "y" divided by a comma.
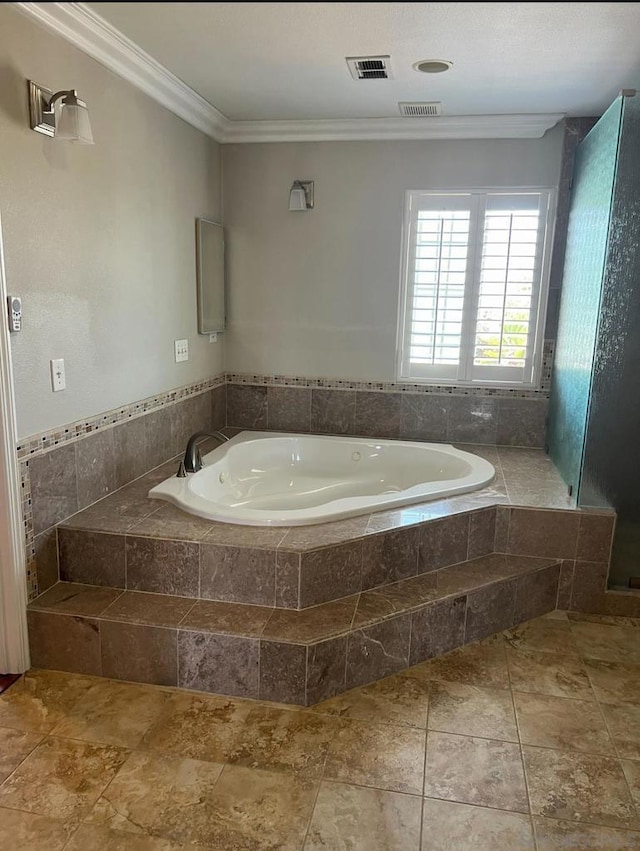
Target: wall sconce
{"x": 73, "y": 121}
{"x": 301, "y": 195}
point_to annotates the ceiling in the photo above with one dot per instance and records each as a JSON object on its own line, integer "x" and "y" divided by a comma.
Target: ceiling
{"x": 286, "y": 61}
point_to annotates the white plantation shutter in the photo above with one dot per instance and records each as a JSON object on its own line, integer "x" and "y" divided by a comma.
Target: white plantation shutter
{"x": 471, "y": 306}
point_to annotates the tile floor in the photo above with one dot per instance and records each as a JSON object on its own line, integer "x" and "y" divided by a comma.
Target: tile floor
{"x": 529, "y": 740}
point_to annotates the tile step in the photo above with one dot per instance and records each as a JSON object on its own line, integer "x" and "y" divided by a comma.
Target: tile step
{"x": 290, "y": 656}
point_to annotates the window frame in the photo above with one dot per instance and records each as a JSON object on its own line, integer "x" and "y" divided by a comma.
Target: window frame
{"x": 437, "y": 374}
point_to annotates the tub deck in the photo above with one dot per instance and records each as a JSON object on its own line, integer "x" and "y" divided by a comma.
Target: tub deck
{"x": 151, "y": 594}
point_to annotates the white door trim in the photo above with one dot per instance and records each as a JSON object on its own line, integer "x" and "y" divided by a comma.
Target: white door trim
{"x": 14, "y": 641}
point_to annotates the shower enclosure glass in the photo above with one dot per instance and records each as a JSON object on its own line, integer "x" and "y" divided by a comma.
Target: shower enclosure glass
{"x": 594, "y": 416}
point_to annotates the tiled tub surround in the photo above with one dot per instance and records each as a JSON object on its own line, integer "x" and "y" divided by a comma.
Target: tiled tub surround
{"x": 153, "y": 595}
{"x": 408, "y": 415}
{"x": 128, "y": 540}
{"x": 148, "y": 432}
{"x": 66, "y": 470}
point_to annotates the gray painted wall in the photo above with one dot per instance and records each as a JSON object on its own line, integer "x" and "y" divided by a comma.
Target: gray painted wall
{"x": 316, "y": 293}
{"x": 99, "y": 240}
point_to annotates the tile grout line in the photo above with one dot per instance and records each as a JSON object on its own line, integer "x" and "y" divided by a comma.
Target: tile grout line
{"x": 520, "y": 747}
{"x": 315, "y": 802}
{"x": 67, "y": 844}
{"x": 43, "y": 736}
{"x": 424, "y": 763}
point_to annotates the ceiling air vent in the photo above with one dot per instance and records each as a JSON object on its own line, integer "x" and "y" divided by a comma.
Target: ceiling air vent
{"x": 370, "y": 67}
{"x": 420, "y": 110}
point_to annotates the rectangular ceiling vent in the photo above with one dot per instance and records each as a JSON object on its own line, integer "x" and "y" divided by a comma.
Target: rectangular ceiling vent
{"x": 370, "y": 67}
{"x": 420, "y": 110}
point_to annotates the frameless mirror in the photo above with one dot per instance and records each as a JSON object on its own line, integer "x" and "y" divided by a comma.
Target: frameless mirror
{"x": 210, "y": 273}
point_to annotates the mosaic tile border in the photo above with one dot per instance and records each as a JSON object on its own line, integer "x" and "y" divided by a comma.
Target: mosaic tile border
{"x": 542, "y": 392}
{"x": 29, "y": 540}
{"x": 38, "y": 443}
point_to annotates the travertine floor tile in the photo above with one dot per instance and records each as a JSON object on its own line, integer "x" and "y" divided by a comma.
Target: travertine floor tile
{"x": 631, "y": 770}
{"x": 614, "y": 682}
{"x": 576, "y": 687}
{"x": 200, "y": 727}
{"x": 448, "y": 826}
{"x": 381, "y": 755}
{"x": 555, "y": 674}
{"x": 546, "y": 635}
{"x": 160, "y": 795}
{"x": 556, "y": 615}
{"x": 578, "y": 787}
{"x": 481, "y": 664}
{"x": 556, "y": 722}
{"x": 623, "y": 720}
{"x": 615, "y": 620}
{"x": 258, "y": 810}
{"x": 31, "y": 832}
{"x": 554, "y": 835}
{"x": 352, "y": 818}
{"x": 472, "y": 711}
{"x": 113, "y": 713}
{"x": 396, "y": 700}
{"x": 606, "y": 641}
{"x": 469, "y": 770}
{"x": 39, "y": 700}
{"x": 93, "y": 837}
{"x": 61, "y": 778}
{"x": 285, "y": 740}
{"x": 15, "y": 745}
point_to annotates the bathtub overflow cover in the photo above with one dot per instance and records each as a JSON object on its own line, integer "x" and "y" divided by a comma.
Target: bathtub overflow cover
{"x": 222, "y": 478}
{"x": 356, "y": 456}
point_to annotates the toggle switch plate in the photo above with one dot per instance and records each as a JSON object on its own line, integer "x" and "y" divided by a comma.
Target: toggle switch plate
{"x": 58, "y": 378}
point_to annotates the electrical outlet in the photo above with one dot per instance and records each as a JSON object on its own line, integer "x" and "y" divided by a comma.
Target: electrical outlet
{"x": 58, "y": 378}
{"x": 182, "y": 350}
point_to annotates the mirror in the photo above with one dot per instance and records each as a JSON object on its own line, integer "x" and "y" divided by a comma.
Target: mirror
{"x": 210, "y": 276}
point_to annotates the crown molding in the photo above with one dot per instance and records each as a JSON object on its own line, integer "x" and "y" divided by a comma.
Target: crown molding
{"x": 89, "y": 32}
{"x": 394, "y": 129}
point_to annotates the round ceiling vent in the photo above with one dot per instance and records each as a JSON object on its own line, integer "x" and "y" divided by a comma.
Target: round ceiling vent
{"x": 432, "y": 66}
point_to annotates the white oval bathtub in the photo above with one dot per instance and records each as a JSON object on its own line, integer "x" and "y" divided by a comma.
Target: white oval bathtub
{"x": 271, "y": 479}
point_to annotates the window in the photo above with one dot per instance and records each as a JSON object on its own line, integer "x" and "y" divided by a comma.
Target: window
{"x": 474, "y": 286}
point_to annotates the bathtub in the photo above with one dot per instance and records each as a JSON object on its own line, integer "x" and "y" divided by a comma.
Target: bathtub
{"x": 272, "y": 479}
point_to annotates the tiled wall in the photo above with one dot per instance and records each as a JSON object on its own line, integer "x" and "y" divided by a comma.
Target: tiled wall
{"x": 65, "y": 470}
{"x": 471, "y": 418}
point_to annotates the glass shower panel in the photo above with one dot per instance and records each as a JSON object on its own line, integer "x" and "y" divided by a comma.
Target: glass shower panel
{"x": 591, "y": 201}
{"x": 611, "y": 472}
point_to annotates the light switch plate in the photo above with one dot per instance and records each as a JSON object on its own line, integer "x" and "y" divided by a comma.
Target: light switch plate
{"x": 182, "y": 350}
{"x": 58, "y": 378}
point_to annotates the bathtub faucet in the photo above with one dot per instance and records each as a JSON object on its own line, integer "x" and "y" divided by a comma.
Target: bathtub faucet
{"x": 192, "y": 457}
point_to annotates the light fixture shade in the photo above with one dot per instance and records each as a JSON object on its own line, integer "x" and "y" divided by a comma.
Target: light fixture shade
{"x": 73, "y": 123}
{"x": 297, "y": 199}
